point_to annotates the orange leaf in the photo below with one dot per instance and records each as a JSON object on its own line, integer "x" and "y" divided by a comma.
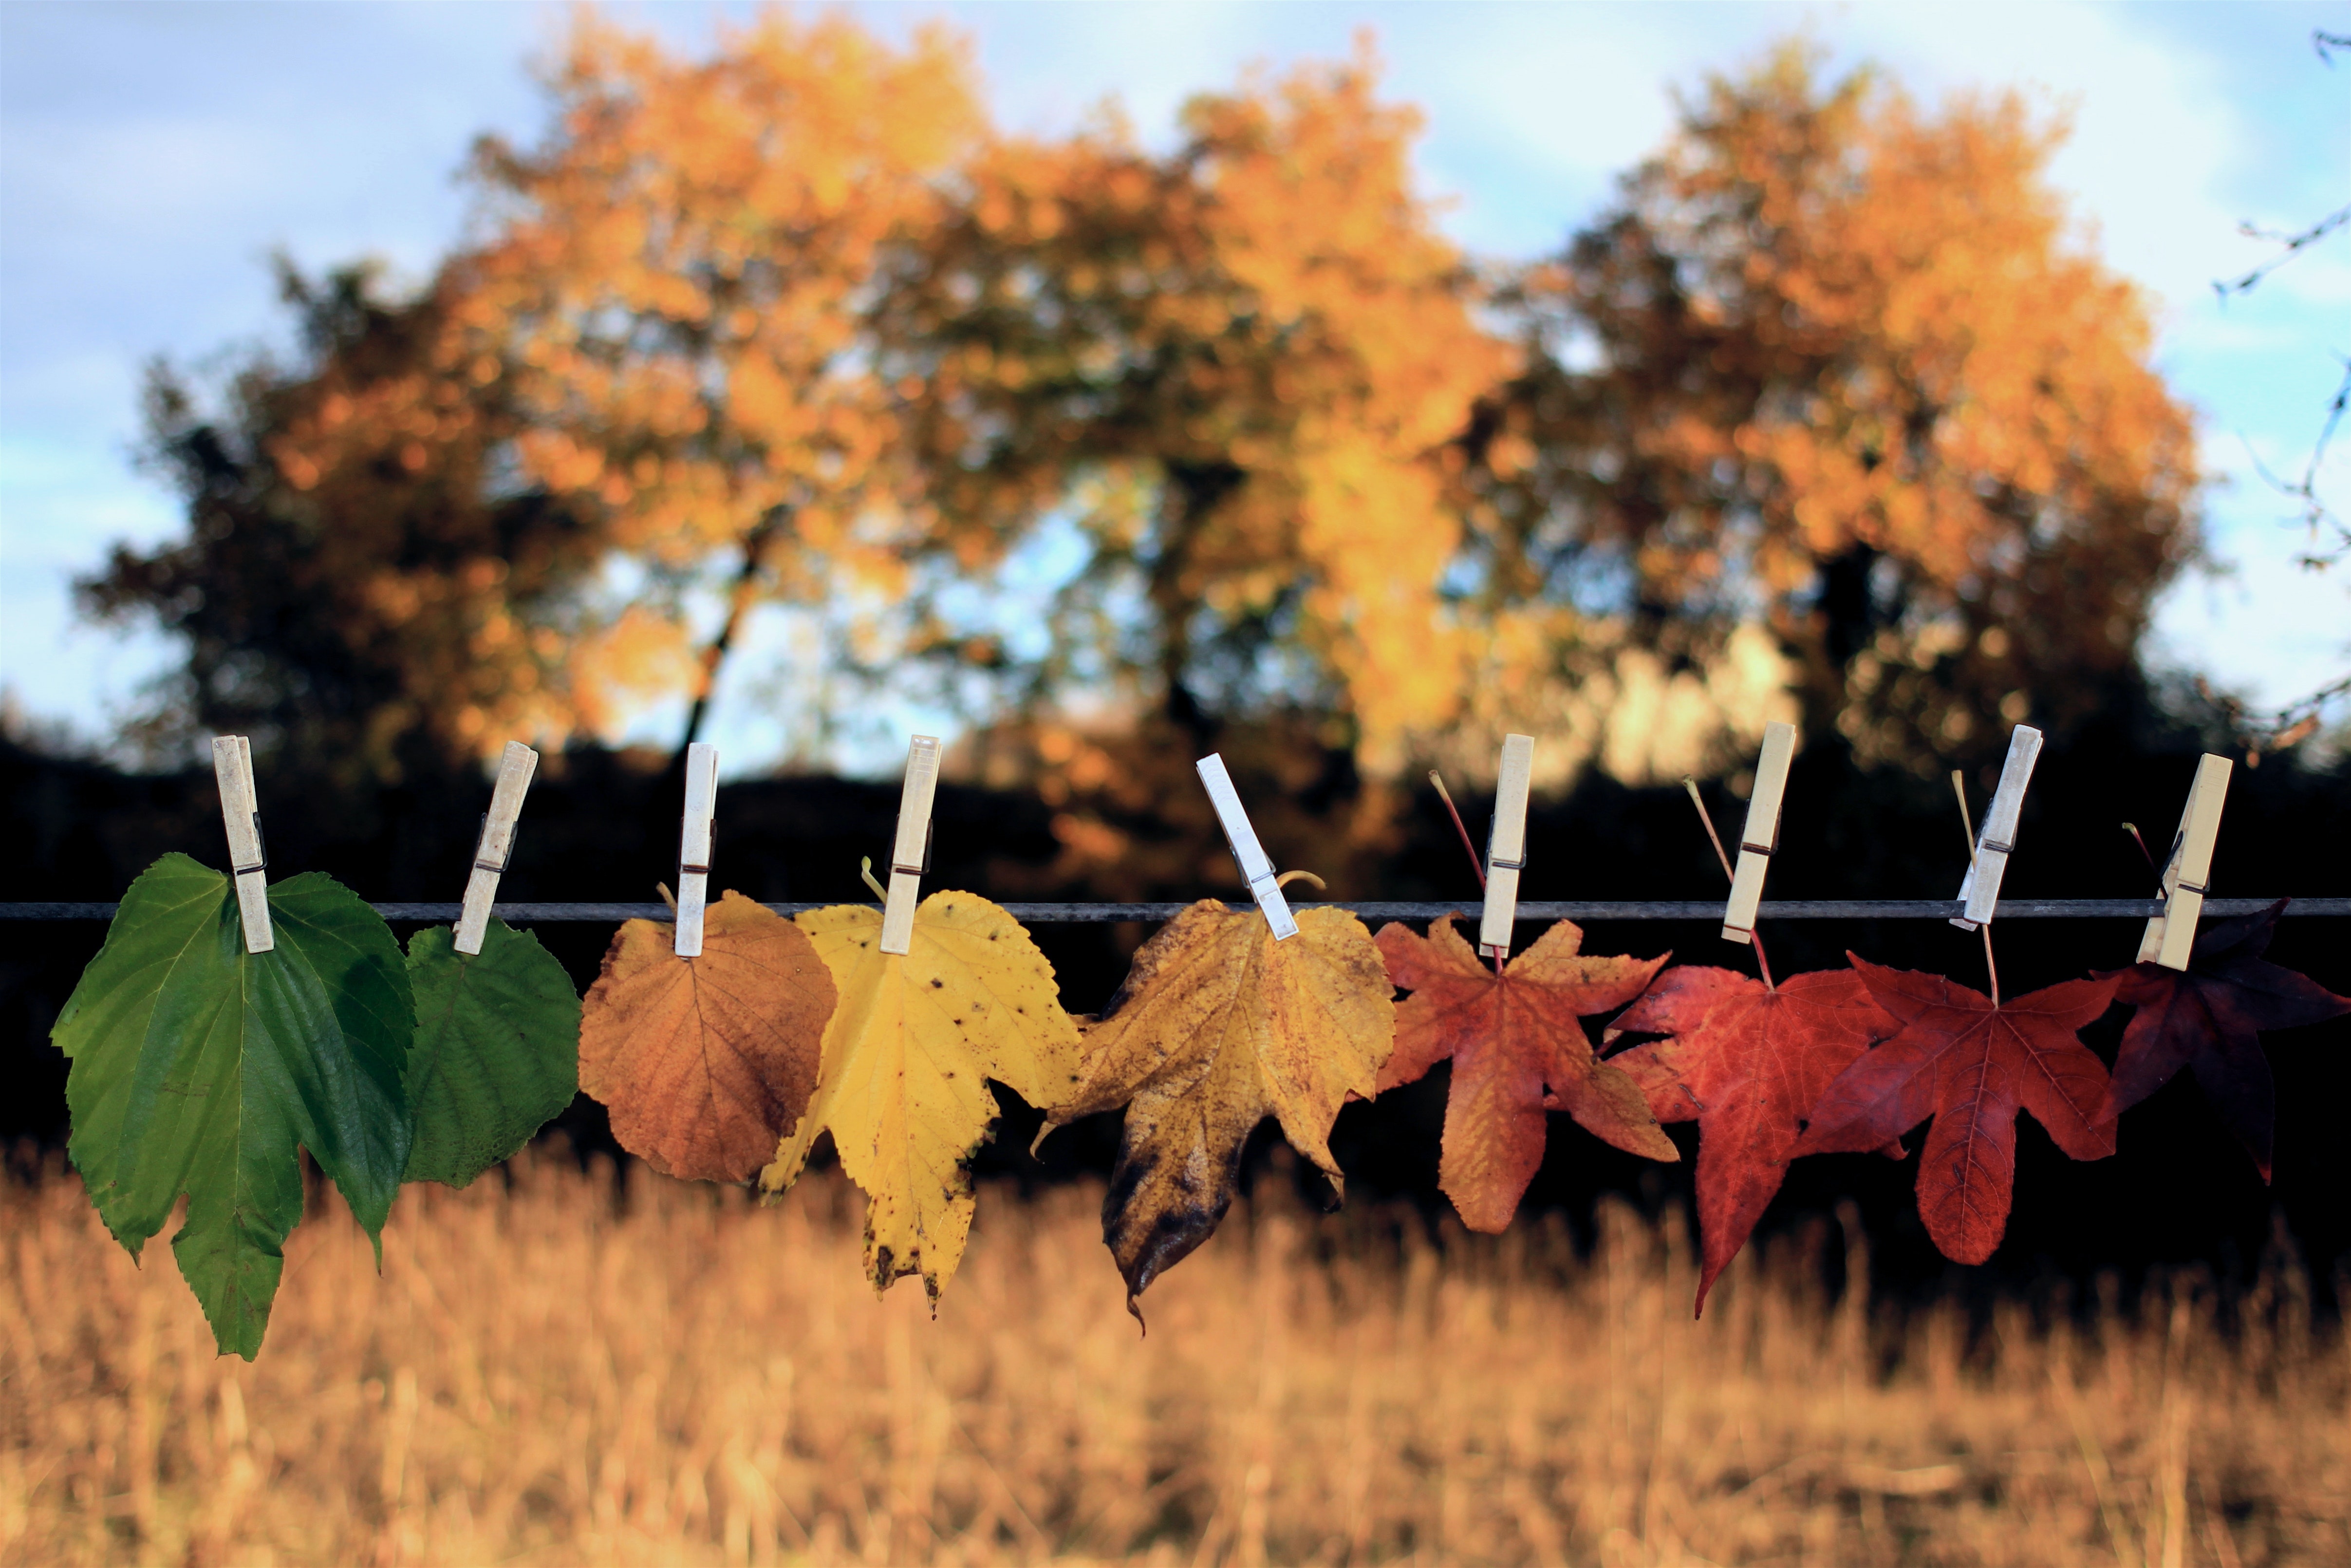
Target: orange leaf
{"x": 1517, "y": 1048}
{"x": 705, "y": 1062}
{"x": 1217, "y": 1027}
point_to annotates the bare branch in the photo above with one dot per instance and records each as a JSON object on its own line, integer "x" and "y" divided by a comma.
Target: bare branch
{"x": 2294, "y": 244}
{"x": 2282, "y": 730}
{"x": 2316, "y": 515}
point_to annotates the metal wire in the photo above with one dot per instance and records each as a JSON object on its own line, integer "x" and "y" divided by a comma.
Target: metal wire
{"x": 1102, "y": 914}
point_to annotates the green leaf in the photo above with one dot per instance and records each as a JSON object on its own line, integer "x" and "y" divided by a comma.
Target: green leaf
{"x": 496, "y": 1053}
{"x": 201, "y": 1069}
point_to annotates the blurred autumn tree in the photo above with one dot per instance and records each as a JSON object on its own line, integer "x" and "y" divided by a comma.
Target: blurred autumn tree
{"x": 1236, "y": 370}
{"x": 684, "y": 274}
{"x": 790, "y": 325}
{"x": 1843, "y": 365}
{"x": 360, "y": 588}
{"x": 1240, "y": 367}
{"x": 478, "y": 513}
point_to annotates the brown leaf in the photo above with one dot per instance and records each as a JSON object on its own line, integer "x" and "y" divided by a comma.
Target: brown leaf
{"x": 1217, "y": 1027}
{"x": 704, "y": 1062}
{"x": 1517, "y": 1046}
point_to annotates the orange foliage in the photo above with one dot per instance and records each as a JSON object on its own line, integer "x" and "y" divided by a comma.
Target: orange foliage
{"x": 387, "y": 443}
{"x": 1244, "y": 361}
{"x": 791, "y": 322}
{"x": 1856, "y": 369}
{"x": 681, "y": 274}
{"x": 354, "y": 577}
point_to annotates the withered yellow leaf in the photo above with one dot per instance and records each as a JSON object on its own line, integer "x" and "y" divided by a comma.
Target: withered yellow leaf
{"x": 703, "y": 1063}
{"x": 1217, "y": 1027}
{"x": 902, "y": 1088}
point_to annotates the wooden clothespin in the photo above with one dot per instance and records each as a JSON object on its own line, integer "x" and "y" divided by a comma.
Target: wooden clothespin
{"x": 1506, "y": 845}
{"x": 1981, "y": 890}
{"x": 494, "y": 848}
{"x": 2171, "y": 936}
{"x": 248, "y": 859}
{"x": 910, "y": 856}
{"x": 1256, "y": 868}
{"x": 693, "y": 845}
{"x": 1761, "y": 836}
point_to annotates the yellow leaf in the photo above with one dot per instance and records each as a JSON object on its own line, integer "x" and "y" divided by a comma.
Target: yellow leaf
{"x": 1217, "y": 1027}
{"x": 902, "y": 1086}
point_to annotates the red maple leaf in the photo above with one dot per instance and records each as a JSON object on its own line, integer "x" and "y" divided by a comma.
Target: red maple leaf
{"x": 1511, "y": 1036}
{"x": 1972, "y": 1063}
{"x": 1747, "y": 1062}
{"x": 2207, "y": 1020}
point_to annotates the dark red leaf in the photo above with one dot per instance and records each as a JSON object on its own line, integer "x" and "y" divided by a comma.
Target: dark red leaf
{"x": 1971, "y": 1065}
{"x": 2207, "y": 1020}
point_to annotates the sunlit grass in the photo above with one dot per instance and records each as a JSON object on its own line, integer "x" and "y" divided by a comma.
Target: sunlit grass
{"x": 548, "y": 1374}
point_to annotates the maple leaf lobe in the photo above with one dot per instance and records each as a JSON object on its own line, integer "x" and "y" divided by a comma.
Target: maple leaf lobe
{"x": 2209, "y": 1017}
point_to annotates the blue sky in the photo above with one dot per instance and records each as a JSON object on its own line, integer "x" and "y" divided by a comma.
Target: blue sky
{"x": 152, "y": 155}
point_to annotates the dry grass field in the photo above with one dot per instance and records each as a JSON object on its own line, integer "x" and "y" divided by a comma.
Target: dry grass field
{"x": 561, "y": 1369}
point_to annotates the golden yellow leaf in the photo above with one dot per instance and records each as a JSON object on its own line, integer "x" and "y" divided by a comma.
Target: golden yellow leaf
{"x": 903, "y": 1086}
{"x": 1217, "y": 1027}
{"x": 703, "y": 1063}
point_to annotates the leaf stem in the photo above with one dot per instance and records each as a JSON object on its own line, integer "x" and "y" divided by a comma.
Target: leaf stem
{"x": 2132, "y": 829}
{"x": 1708, "y": 822}
{"x": 1476, "y": 866}
{"x": 1754, "y": 938}
{"x": 865, "y": 870}
{"x": 667, "y": 897}
{"x": 1959, "y": 789}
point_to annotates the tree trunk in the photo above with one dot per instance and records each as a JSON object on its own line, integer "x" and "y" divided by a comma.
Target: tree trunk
{"x": 740, "y": 596}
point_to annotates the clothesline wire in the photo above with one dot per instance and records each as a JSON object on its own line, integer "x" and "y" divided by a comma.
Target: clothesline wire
{"x": 1103, "y": 913}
